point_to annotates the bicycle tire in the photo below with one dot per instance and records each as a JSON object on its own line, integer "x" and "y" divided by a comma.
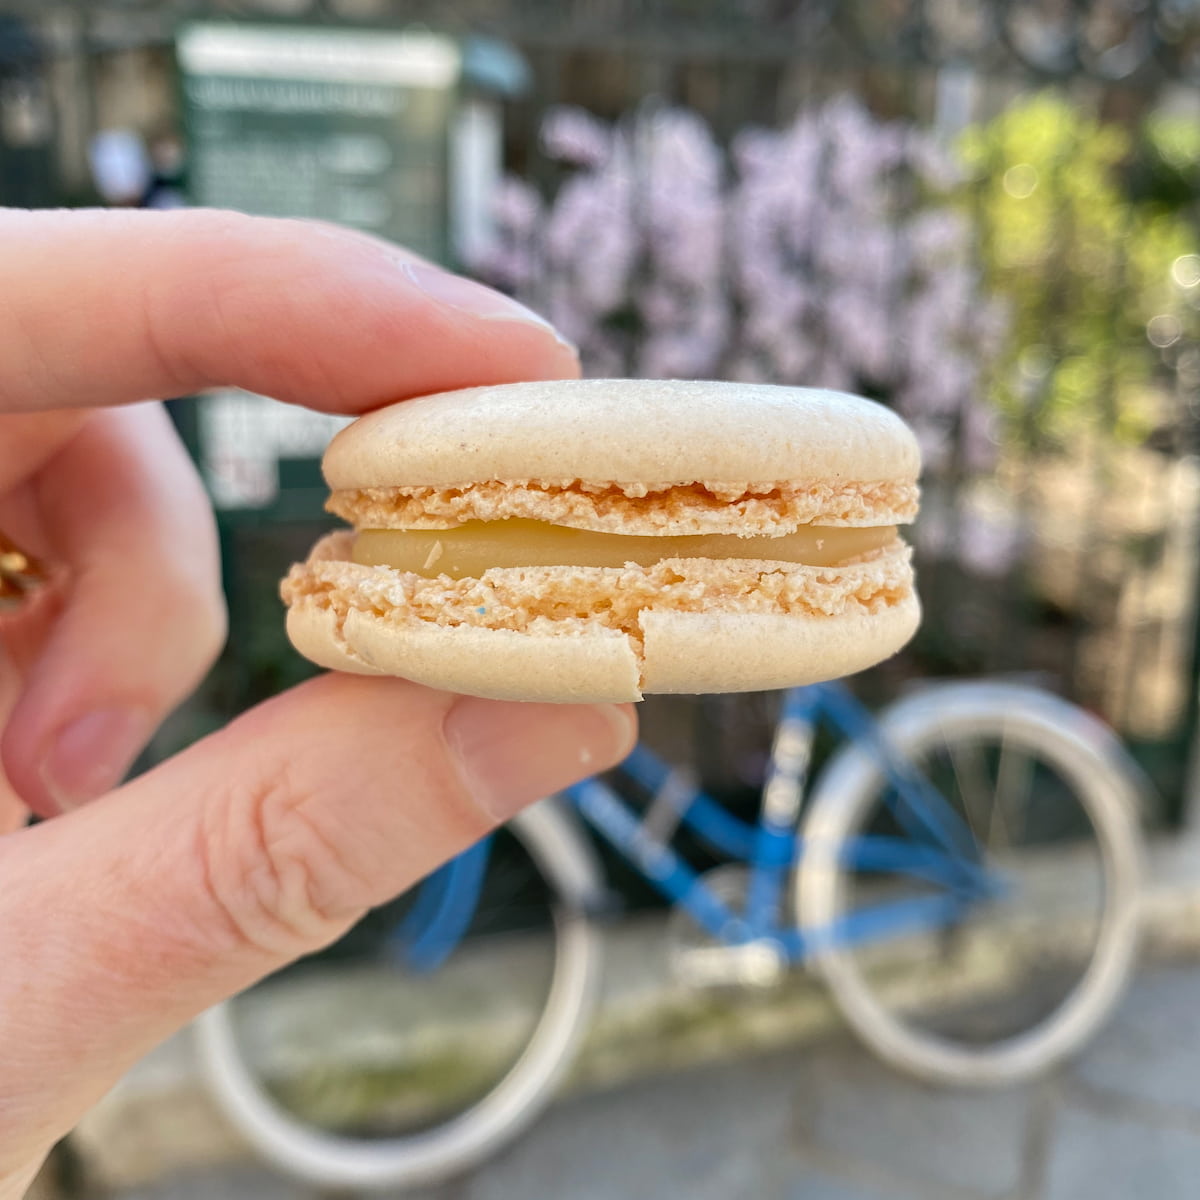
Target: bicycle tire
{"x": 330, "y": 1160}
{"x": 1106, "y": 783}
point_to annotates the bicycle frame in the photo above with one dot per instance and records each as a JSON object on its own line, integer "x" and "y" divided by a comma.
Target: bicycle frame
{"x": 938, "y": 848}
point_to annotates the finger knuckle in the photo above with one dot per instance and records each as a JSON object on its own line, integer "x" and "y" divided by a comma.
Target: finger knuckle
{"x": 275, "y": 871}
{"x": 210, "y": 627}
{"x": 198, "y": 605}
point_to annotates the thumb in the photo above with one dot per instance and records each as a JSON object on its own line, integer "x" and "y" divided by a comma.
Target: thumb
{"x": 266, "y": 841}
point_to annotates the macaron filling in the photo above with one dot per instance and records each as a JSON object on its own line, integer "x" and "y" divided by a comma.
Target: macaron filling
{"x": 474, "y": 547}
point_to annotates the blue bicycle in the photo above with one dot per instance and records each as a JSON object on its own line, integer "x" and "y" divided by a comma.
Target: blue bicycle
{"x": 963, "y": 873}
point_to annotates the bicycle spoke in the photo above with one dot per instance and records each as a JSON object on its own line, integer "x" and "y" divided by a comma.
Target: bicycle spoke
{"x": 1006, "y": 773}
{"x": 965, "y": 791}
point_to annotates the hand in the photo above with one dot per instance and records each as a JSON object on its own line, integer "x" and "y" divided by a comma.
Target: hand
{"x": 124, "y": 918}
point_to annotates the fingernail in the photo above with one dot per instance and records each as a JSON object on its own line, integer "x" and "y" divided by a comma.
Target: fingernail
{"x": 512, "y": 754}
{"x": 93, "y": 754}
{"x": 473, "y": 298}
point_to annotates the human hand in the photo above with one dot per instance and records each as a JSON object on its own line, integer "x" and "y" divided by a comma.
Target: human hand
{"x": 124, "y": 918}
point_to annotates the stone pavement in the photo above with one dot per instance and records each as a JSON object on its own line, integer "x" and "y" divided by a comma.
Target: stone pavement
{"x": 829, "y": 1123}
{"x": 339, "y": 1030}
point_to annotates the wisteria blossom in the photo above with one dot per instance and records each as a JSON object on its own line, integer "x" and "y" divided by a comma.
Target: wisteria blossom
{"x": 573, "y": 135}
{"x": 827, "y": 253}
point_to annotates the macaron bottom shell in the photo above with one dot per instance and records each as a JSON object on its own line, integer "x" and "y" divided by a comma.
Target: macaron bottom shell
{"x": 686, "y": 653}
{"x": 603, "y": 634}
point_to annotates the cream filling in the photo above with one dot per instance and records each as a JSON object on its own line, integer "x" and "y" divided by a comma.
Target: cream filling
{"x": 477, "y": 546}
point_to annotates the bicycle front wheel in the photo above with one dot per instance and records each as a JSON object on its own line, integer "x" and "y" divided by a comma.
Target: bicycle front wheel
{"x": 454, "y": 1062}
{"x": 996, "y": 988}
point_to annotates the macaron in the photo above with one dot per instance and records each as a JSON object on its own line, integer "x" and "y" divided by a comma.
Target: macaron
{"x": 604, "y": 539}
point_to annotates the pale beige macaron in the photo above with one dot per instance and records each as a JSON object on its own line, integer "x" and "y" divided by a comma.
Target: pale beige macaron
{"x": 599, "y": 540}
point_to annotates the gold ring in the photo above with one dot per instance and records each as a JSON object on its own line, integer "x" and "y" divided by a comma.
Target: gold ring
{"x": 20, "y": 573}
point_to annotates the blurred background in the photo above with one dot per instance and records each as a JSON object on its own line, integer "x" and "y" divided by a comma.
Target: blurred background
{"x": 983, "y": 213}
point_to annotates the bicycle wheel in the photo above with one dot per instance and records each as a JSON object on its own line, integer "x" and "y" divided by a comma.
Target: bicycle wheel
{"x": 456, "y": 1061}
{"x": 999, "y": 989}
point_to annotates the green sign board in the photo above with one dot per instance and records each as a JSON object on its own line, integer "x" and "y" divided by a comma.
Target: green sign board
{"x": 350, "y": 126}
{"x": 353, "y": 126}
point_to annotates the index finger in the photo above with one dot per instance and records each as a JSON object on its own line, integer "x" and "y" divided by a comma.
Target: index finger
{"x": 104, "y": 307}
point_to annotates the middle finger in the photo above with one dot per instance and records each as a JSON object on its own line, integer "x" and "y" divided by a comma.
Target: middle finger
{"x": 123, "y": 509}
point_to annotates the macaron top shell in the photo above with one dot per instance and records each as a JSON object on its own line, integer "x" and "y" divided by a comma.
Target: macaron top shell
{"x": 624, "y": 431}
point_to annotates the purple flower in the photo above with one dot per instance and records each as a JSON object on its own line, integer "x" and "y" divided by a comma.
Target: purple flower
{"x": 573, "y": 135}
{"x": 794, "y": 256}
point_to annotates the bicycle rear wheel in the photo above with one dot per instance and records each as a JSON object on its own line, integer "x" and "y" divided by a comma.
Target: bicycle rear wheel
{"x": 997, "y": 989}
{"x": 434, "y": 1070}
